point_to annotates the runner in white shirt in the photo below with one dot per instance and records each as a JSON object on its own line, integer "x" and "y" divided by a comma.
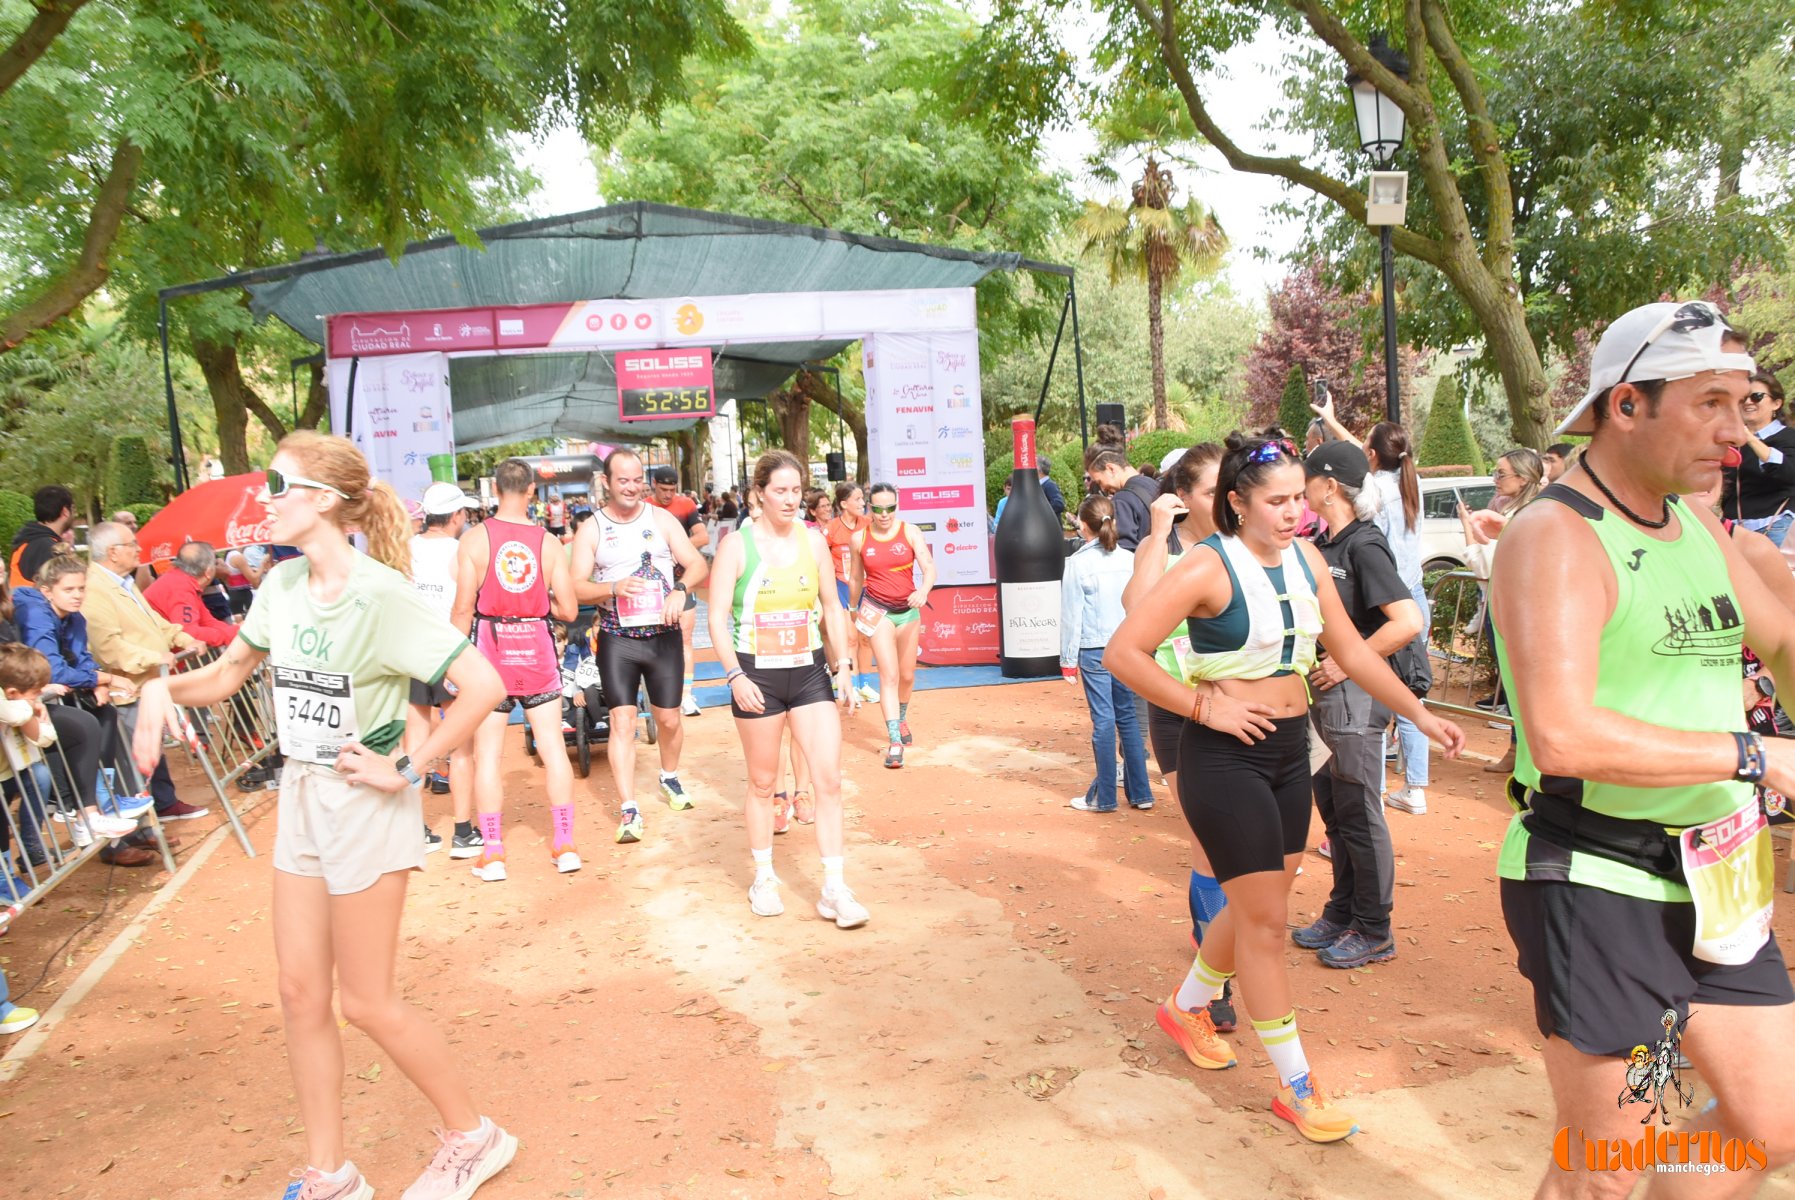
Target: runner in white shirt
{"x": 433, "y": 575}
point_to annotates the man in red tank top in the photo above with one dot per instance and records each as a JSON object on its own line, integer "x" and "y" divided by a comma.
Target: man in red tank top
{"x": 510, "y": 578}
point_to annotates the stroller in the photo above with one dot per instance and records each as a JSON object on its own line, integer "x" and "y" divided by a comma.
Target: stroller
{"x": 585, "y": 722}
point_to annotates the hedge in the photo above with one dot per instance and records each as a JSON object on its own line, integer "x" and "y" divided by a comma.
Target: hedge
{"x": 131, "y": 474}
{"x": 1294, "y": 413}
{"x": 1067, "y": 471}
{"x": 15, "y": 512}
{"x": 1151, "y": 447}
{"x": 143, "y": 512}
{"x": 1448, "y": 438}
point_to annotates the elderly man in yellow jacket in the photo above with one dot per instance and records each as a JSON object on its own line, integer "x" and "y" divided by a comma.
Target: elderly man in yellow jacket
{"x": 129, "y": 638}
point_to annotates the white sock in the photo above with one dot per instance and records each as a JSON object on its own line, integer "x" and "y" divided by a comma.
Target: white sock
{"x": 1202, "y": 984}
{"x": 342, "y": 1174}
{"x": 1279, "y": 1037}
{"x": 666, "y": 775}
{"x": 763, "y": 865}
{"x": 832, "y": 868}
{"x": 478, "y": 1130}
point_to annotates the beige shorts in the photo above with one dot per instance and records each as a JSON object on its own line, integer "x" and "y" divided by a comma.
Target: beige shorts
{"x": 346, "y": 835}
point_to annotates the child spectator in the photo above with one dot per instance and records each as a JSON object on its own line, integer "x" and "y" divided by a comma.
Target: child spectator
{"x": 25, "y": 730}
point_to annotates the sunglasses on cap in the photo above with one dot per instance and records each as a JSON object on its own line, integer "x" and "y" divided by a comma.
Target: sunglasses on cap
{"x": 279, "y": 484}
{"x": 1697, "y": 314}
{"x": 1271, "y": 451}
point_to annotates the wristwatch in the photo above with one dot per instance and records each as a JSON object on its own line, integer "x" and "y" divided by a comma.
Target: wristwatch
{"x": 402, "y": 764}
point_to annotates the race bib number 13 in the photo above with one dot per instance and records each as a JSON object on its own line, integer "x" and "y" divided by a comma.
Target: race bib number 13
{"x": 314, "y": 712}
{"x": 782, "y": 639}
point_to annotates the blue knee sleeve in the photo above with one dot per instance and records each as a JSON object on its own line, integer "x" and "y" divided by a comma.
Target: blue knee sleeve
{"x": 1206, "y": 902}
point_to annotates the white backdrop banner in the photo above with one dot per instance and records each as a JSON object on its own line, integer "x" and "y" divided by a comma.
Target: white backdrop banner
{"x": 402, "y": 415}
{"x": 925, "y": 436}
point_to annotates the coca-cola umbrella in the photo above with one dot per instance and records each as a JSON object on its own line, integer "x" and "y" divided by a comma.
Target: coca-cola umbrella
{"x": 224, "y": 512}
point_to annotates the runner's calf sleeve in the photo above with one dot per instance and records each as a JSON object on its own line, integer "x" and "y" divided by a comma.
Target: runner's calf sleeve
{"x": 1206, "y": 902}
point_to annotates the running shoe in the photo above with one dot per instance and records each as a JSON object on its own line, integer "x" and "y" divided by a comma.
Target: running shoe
{"x": 1353, "y": 949}
{"x": 466, "y": 845}
{"x": 782, "y": 813}
{"x": 180, "y": 810}
{"x": 763, "y": 897}
{"x": 894, "y": 755}
{"x": 490, "y": 870}
{"x": 1315, "y": 1115}
{"x": 1221, "y": 1010}
{"x": 1195, "y": 1034}
{"x": 1411, "y": 800}
{"x": 433, "y": 841}
{"x": 312, "y": 1184}
{"x": 630, "y": 829}
{"x": 868, "y": 693}
{"x": 18, "y": 1020}
{"x": 462, "y": 1162}
{"x": 677, "y": 800}
{"x": 1083, "y": 804}
{"x": 100, "y": 826}
{"x": 129, "y": 807}
{"x": 689, "y": 706}
{"x": 838, "y": 904}
{"x": 803, "y": 808}
{"x": 1145, "y": 806}
{"x": 1325, "y": 850}
{"x": 1319, "y": 936}
{"x": 567, "y": 860}
{"x": 904, "y": 733}
{"x": 439, "y": 784}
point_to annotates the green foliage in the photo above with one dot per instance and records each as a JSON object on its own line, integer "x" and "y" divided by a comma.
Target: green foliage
{"x": 15, "y": 512}
{"x": 1447, "y": 440}
{"x": 477, "y": 464}
{"x": 1065, "y": 468}
{"x": 132, "y": 477}
{"x": 1294, "y": 413}
{"x": 143, "y": 512}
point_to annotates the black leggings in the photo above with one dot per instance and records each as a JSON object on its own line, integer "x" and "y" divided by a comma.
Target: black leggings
{"x": 626, "y": 663}
{"x": 83, "y": 739}
{"x": 1164, "y": 729}
{"x": 1248, "y": 805}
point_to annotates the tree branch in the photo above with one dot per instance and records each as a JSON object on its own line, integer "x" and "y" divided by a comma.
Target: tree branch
{"x": 89, "y": 272}
{"x": 1414, "y": 245}
{"x": 317, "y": 399}
{"x": 53, "y": 16}
{"x": 1486, "y": 144}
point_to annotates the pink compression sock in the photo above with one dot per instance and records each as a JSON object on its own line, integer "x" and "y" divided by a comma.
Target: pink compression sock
{"x": 561, "y": 816}
{"x": 491, "y": 825}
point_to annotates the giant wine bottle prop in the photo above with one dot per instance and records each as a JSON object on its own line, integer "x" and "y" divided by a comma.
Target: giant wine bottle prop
{"x": 1031, "y": 559}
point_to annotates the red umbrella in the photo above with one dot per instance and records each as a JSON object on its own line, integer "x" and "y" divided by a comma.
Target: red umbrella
{"x": 224, "y": 512}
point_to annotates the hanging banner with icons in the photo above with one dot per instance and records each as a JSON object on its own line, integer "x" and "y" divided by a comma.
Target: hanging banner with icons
{"x": 665, "y": 385}
{"x": 402, "y": 417}
{"x": 925, "y": 436}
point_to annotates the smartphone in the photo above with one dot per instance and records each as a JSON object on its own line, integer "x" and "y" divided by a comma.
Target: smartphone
{"x": 1318, "y": 391}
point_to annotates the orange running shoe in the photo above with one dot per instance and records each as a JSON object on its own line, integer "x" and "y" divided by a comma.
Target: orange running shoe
{"x": 1196, "y": 1036}
{"x": 782, "y": 813}
{"x": 1316, "y": 1116}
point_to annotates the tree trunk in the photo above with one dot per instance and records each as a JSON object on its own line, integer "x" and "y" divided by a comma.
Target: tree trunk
{"x": 1497, "y": 306}
{"x": 53, "y": 16}
{"x": 1156, "y": 344}
{"x": 317, "y": 400}
{"x": 793, "y": 410}
{"x": 218, "y": 362}
{"x": 818, "y": 389}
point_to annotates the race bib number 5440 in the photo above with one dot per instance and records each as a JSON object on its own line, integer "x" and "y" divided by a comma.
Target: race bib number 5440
{"x": 315, "y": 713}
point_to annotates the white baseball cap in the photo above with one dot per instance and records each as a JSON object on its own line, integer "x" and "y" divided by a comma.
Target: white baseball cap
{"x": 441, "y": 499}
{"x": 1670, "y": 340}
{"x": 1171, "y": 458}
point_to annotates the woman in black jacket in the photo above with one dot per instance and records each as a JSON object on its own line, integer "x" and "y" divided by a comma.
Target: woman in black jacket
{"x": 1760, "y": 492}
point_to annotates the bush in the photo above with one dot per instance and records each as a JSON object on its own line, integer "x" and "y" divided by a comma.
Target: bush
{"x": 1294, "y": 413}
{"x": 1448, "y": 439}
{"x": 1151, "y": 447}
{"x": 143, "y": 512}
{"x": 132, "y": 474}
{"x": 15, "y": 511}
{"x": 1067, "y": 471}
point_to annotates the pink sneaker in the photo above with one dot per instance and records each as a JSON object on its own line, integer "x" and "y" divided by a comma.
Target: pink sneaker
{"x": 313, "y": 1184}
{"x": 463, "y": 1162}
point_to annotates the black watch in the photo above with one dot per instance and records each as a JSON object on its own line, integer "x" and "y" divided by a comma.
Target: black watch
{"x": 679, "y": 587}
{"x": 1766, "y": 686}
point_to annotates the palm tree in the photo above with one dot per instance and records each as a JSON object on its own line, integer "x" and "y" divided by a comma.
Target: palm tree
{"x": 1148, "y": 237}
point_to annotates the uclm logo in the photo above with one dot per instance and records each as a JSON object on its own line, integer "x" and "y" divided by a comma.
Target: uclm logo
{"x": 909, "y": 468}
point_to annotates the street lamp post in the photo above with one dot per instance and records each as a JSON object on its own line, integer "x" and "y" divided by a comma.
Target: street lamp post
{"x": 1381, "y": 124}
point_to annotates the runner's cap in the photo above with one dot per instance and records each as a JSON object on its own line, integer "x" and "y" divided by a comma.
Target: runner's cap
{"x": 1342, "y": 461}
{"x": 1171, "y": 458}
{"x": 441, "y": 499}
{"x": 663, "y": 474}
{"x": 414, "y": 510}
{"x": 1669, "y": 340}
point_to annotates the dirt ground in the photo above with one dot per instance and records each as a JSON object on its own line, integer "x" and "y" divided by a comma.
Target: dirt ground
{"x": 990, "y": 1033}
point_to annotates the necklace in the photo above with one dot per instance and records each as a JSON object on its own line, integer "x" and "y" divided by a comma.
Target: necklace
{"x": 1589, "y": 470}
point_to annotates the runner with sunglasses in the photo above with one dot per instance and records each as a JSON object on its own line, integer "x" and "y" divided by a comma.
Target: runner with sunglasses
{"x": 772, "y": 616}
{"x": 1620, "y": 615}
{"x": 887, "y": 604}
{"x": 1760, "y": 491}
{"x": 345, "y": 634}
{"x": 1254, "y": 602}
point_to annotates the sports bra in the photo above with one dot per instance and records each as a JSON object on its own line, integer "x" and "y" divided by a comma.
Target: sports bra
{"x": 1270, "y": 625}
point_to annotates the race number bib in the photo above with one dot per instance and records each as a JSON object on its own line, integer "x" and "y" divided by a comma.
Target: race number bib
{"x": 866, "y": 616}
{"x": 782, "y": 639}
{"x": 1730, "y": 866}
{"x": 314, "y": 712}
{"x": 644, "y": 607}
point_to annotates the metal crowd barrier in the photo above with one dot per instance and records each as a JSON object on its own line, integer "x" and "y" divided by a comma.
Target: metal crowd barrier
{"x": 1462, "y": 653}
{"x": 233, "y": 741}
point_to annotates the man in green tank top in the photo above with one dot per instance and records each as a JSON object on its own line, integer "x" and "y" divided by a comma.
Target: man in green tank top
{"x": 1620, "y": 613}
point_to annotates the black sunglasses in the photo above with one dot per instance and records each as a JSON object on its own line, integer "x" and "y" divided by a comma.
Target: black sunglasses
{"x": 1697, "y": 314}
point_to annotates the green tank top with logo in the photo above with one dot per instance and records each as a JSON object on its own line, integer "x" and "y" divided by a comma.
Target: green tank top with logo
{"x": 1669, "y": 656}
{"x": 778, "y": 610}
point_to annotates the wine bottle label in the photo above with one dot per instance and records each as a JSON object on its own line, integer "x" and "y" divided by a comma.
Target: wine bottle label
{"x": 1031, "y": 619}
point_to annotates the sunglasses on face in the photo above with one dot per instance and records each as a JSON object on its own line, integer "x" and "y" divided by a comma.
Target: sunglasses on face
{"x": 1753, "y": 399}
{"x": 1271, "y": 451}
{"x": 279, "y": 484}
{"x": 1697, "y": 314}
{"x": 884, "y": 510}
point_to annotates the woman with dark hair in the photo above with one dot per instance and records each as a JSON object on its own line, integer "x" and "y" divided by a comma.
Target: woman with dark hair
{"x": 1254, "y": 603}
{"x": 893, "y": 572}
{"x": 1760, "y": 492}
{"x": 850, "y": 519}
{"x": 1090, "y": 609}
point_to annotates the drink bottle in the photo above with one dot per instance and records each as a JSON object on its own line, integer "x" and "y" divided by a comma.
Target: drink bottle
{"x": 1031, "y": 560}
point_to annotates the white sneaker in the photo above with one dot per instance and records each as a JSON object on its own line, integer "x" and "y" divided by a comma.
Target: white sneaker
{"x": 1120, "y": 778}
{"x": 838, "y": 905}
{"x": 567, "y": 862}
{"x": 492, "y": 872}
{"x": 78, "y": 832}
{"x": 763, "y": 897}
{"x": 689, "y": 706}
{"x": 101, "y": 826}
{"x": 869, "y": 694}
{"x": 1409, "y": 800}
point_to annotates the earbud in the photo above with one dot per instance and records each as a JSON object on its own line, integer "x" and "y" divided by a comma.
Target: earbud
{"x": 1626, "y": 408}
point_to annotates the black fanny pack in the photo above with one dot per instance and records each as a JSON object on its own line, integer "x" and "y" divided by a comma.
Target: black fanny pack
{"x": 1568, "y": 825}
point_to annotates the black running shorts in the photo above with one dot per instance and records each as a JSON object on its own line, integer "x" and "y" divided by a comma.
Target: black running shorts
{"x": 1605, "y": 967}
{"x": 1164, "y": 728}
{"x": 626, "y": 663}
{"x": 528, "y": 702}
{"x": 1248, "y": 805}
{"x": 786, "y": 688}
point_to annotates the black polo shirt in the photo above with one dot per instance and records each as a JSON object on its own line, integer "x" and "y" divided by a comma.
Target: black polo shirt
{"x": 1364, "y": 574}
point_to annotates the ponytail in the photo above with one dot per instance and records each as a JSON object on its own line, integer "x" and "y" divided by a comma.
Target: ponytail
{"x": 380, "y": 514}
{"x": 1099, "y": 512}
{"x": 368, "y": 505}
{"x": 1390, "y": 442}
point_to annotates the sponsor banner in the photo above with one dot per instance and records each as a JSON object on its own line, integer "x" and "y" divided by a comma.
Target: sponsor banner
{"x": 959, "y": 626}
{"x": 683, "y": 320}
{"x": 912, "y": 499}
{"x": 402, "y": 415}
{"x": 660, "y": 385}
